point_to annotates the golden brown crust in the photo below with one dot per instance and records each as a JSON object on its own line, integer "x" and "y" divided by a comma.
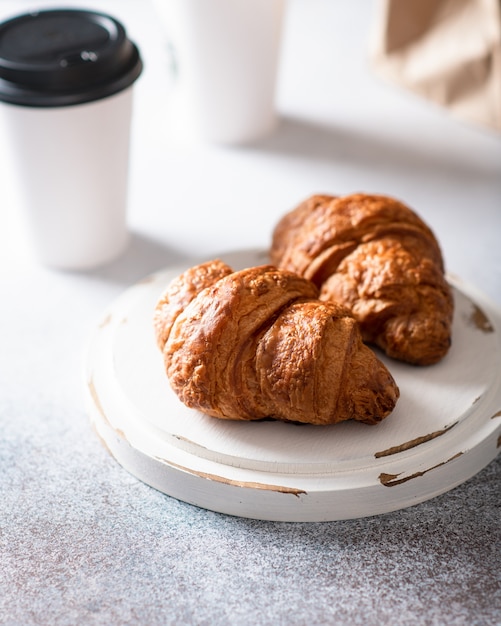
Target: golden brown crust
{"x": 375, "y": 256}
{"x": 181, "y": 292}
{"x": 258, "y": 343}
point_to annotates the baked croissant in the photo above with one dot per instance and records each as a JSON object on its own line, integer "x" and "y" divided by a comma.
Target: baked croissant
{"x": 258, "y": 343}
{"x": 376, "y": 257}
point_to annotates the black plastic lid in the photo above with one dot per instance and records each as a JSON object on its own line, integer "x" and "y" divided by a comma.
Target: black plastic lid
{"x": 63, "y": 57}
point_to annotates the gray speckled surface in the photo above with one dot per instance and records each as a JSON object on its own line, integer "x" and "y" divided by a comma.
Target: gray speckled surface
{"x": 84, "y": 542}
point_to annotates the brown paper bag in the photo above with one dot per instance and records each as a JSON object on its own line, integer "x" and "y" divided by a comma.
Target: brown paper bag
{"x": 448, "y": 51}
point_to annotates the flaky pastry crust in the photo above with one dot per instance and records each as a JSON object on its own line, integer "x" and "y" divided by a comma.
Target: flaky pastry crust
{"x": 258, "y": 343}
{"x": 376, "y": 257}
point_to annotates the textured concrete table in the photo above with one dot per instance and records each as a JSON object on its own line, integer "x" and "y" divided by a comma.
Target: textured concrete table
{"x": 82, "y": 541}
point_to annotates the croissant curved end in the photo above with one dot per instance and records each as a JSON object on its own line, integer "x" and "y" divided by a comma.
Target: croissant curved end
{"x": 417, "y": 339}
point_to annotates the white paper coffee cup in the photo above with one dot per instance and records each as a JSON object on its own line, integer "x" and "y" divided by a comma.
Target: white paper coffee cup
{"x": 68, "y": 133}
{"x": 226, "y": 55}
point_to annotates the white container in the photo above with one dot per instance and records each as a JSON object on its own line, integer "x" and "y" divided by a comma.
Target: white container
{"x": 226, "y": 55}
{"x": 66, "y": 108}
{"x": 71, "y": 166}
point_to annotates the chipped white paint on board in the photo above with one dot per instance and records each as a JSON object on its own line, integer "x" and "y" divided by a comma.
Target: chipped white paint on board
{"x": 444, "y": 429}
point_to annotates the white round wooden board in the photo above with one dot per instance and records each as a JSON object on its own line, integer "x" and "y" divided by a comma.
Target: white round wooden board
{"x": 446, "y": 426}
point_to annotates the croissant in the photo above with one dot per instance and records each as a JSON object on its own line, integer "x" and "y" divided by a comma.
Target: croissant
{"x": 376, "y": 257}
{"x": 258, "y": 343}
